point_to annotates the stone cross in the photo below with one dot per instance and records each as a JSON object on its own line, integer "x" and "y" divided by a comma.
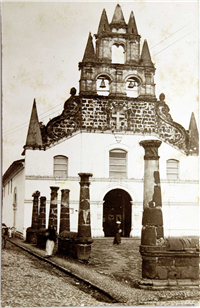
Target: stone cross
{"x": 118, "y": 116}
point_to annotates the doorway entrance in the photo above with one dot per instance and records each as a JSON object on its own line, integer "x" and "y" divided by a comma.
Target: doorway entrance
{"x": 117, "y": 207}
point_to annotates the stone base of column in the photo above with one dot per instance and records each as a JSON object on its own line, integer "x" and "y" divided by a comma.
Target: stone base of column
{"x": 31, "y": 235}
{"x": 83, "y": 251}
{"x": 66, "y": 243}
{"x": 41, "y": 238}
{"x": 173, "y": 264}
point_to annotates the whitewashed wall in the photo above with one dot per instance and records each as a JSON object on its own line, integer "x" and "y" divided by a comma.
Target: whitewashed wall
{"x": 18, "y": 181}
{"x": 89, "y": 152}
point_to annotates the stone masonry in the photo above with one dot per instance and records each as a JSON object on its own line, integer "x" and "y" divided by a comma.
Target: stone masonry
{"x": 131, "y": 116}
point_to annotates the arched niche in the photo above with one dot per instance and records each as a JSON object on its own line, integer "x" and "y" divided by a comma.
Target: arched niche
{"x": 133, "y": 86}
{"x": 118, "y": 54}
{"x": 103, "y": 85}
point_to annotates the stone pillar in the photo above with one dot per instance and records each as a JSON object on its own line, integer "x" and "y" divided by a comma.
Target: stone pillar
{"x": 42, "y": 215}
{"x": 35, "y": 196}
{"x": 152, "y": 221}
{"x": 64, "y": 213}
{"x": 53, "y": 206}
{"x": 31, "y": 232}
{"x": 84, "y": 239}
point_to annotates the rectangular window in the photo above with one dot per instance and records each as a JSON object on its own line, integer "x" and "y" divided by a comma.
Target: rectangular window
{"x": 172, "y": 169}
{"x": 117, "y": 164}
{"x": 60, "y": 166}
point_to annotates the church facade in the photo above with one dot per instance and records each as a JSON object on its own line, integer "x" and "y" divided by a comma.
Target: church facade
{"x": 98, "y": 132}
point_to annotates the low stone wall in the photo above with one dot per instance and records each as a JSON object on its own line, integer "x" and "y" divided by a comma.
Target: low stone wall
{"x": 175, "y": 259}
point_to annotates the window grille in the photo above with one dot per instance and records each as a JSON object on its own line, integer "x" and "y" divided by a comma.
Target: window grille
{"x": 118, "y": 164}
{"x": 172, "y": 169}
{"x": 60, "y": 166}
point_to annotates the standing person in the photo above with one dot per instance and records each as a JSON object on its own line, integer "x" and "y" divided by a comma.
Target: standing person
{"x": 4, "y": 234}
{"x": 51, "y": 239}
{"x": 117, "y": 238}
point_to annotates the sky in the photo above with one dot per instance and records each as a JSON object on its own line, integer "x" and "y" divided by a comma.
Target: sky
{"x": 43, "y": 42}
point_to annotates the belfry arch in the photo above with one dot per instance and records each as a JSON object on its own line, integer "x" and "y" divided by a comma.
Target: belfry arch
{"x": 117, "y": 205}
{"x": 118, "y": 53}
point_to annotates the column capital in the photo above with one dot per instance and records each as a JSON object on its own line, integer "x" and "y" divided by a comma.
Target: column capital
{"x": 65, "y": 190}
{"x": 84, "y": 175}
{"x": 151, "y": 149}
{"x": 43, "y": 198}
{"x": 85, "y": 178}
{"x": 36, "y": 194}
{"x": 55, "y": 188}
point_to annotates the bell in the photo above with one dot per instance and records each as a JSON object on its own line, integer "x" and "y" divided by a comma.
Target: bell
{"x": 131, "y": 85}
{"x": 102, "y": 85}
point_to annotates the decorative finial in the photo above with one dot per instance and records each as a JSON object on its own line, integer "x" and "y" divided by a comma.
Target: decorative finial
{"x": 73, "y": 91}
{"x": 162, "y": 97}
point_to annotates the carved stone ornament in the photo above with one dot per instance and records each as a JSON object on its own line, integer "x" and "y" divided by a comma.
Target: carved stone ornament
{"x": 118, "y": 136}
{"x": 68, "y": 122}
{"x": 169, "y": 130}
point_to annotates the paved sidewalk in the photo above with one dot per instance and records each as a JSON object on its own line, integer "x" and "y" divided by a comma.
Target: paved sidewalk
{"x": 121, "y": 290}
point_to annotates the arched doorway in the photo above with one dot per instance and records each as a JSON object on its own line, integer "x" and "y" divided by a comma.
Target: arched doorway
{"x": 117, "y": 206}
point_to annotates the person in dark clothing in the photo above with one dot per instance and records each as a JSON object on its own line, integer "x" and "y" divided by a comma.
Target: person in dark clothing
{"x": 4, "y": 234}
{"x": 117, "y": 238}
{"x": 51, "y": 239}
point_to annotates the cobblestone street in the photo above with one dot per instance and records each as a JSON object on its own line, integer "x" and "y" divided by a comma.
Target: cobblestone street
{"x": 28, "y": 282}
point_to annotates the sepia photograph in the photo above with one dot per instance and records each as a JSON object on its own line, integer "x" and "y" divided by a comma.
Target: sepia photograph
{"x": 100, "y": 153}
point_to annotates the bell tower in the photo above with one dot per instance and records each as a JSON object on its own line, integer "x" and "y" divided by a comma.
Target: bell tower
{"x": 115, "y": 67}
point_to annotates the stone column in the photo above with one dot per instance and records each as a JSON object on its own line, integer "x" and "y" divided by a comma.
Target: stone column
{"x": 64, "y": 213}
{"x": 35, "y": 196}
{"x": 84, "y": 239}
{"x": 42, "y": 215}
{"x": 53, "y": 206}
{"x": 31, "y": 232}
{"x": 152, "y": 221}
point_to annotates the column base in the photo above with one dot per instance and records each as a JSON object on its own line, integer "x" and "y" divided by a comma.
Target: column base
{"x": 31, "y": 236}
{"x": 83, "y": 251}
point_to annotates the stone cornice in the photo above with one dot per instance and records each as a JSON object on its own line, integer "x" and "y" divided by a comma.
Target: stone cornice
{"x": 131, "y": 65}
{"x": 114, "y": 180}
{"x": 125, "y": 36}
